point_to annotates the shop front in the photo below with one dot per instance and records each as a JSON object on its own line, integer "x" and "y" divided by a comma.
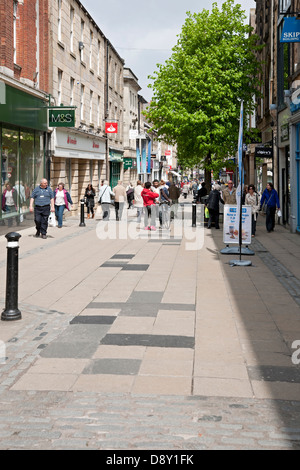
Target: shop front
{"x": 115, "y": 167}
{"x": 284, "y": 165}
{"x": 78, "y": 160}
{"x": 24, "y": 143}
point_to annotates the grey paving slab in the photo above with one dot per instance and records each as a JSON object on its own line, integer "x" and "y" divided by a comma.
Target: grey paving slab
{"x": 122, "y": 256}
{"x": 141, "y": 297}
{"x": 93, "y": 320}
{"x": 275, "y": 373}
{"x": 136, "y": 267}
{"x": 162, "y": 341}
{"x": 113, "y": 366}
{"x": 70, "y": 350}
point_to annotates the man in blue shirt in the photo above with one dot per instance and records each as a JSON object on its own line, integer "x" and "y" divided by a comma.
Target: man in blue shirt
{"x": 43, "y": 199}
{"x": 271, "y": 199}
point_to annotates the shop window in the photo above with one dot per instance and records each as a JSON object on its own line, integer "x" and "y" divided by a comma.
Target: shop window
{"x": 9, "y": 176}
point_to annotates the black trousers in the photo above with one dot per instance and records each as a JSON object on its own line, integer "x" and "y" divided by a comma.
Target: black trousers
{"x": 213, "y": 217}
{"x": 119, "y": 206}
{"x": 270, "y": 218}
{"x": 41, "y": 215}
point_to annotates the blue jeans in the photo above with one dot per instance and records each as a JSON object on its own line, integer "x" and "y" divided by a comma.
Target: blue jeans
{"x": 59, "y": 212}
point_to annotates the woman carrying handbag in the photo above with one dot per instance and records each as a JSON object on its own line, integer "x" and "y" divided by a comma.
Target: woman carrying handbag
{"x": 105, "y": 199}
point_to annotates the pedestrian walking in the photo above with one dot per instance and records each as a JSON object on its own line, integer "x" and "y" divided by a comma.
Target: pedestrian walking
{"x": 149, "y": 198}
{"x": 185, "y": 189}
{"x": 174, "y": 195}
{"x": 138, "y": 200}
{"x": 89, "y": 195}
{"x": 213, "y": 205}
{"x": 62, "y": 200}
{"x": 229, "y": 194}
{"x": 43, "y": 199}
{"x": 120, "y": 198}
{"x": 252, "y": 199}
{"x": 270, "y": 200}
{"x": 202, "y": 192}
{"x": 130, "y": 195}
{"x": 9, "y": 201}
{"x": 105, "y": 199}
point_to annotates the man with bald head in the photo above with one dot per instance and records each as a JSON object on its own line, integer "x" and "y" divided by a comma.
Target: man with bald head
{"x": 43, "y": 199}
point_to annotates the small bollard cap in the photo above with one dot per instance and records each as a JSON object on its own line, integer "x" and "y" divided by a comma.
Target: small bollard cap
{"x": 13, "y": 236}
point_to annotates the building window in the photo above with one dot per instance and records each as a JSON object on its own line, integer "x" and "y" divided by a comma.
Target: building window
{"x": 59, "y": 5}
{"x": 72, "y": 85}
{"x": 91, "y": 49}
{"x": 98, "y": 112}
{"x": 91, "y": 106}
{"x": 82, "y": 39}
{"x": 98, "y": 57}
{"x": 59, "y": 87}
{"x": 15, "y": 31}
{"x": 72, "y": 15}
{"x": 82, "y": 103}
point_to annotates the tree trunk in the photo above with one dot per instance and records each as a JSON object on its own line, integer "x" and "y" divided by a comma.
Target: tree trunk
{"x": 207, "y": 172}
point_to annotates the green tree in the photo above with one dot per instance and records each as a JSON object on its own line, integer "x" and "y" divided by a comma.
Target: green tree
{"x": 197, "y": 93}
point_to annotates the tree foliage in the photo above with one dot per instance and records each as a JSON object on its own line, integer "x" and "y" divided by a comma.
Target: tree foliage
{"x": 198, "y": 91}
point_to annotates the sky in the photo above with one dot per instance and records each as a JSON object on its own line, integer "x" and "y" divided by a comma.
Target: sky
{"x": 144, "y": 33}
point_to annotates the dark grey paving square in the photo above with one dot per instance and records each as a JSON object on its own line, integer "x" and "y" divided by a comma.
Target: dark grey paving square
{"x": 83, "y": 333}
{"x": 113, "y": 366}
{"x": 135, "y": 267}
{"x": 111, "y": 264}
{"x": 152, "y": 297}
{"x": 122, "y": 256}
{"x": 100, "y": 305}
{"x": 145, "y": 309}
{"x": 93, "y": 320}
{"x": 274, "y": 374}
{"x": 75, "y": 350}
{"x": 161, "y": 341}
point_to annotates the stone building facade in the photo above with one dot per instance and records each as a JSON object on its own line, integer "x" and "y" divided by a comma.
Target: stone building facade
{"x": 86, "y": 73}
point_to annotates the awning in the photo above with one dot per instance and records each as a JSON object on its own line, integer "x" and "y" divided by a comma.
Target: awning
{"x": 176, "y": 174}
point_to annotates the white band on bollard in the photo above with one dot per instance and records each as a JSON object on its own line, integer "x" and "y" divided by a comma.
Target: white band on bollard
{"x": 13, "y": 245}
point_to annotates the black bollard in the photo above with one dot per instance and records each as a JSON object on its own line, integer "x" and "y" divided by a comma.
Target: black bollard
{"x": 194, "y": 214}
{"x": 82, "y": 223}
{"x": 11, "y": 311}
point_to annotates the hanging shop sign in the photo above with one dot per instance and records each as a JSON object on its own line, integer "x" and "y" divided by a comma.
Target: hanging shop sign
{"x": 291, "y": 30}
{"x": 61, "y": 117}
{"x": 264, "y": 152}
{"x": 128, "y": 163}
{"x": 111, "y": 127}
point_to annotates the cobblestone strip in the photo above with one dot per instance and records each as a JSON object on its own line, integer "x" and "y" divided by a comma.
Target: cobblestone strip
{"x": 23, "y": 349}
{"x": 57, "y": 420}
{"x": 290, "y": 282}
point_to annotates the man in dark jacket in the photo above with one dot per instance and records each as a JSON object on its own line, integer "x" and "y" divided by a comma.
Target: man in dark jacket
{"x": 213, "y": 202}
{"x": 202, "y": 192}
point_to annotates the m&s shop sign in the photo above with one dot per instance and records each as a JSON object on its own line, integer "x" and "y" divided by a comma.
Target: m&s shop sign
{"x": 61, "y": 117}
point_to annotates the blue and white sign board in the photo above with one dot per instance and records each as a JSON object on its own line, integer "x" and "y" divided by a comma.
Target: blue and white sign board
{"x": 231, "y": 225}
{"x": 291, "y": 30}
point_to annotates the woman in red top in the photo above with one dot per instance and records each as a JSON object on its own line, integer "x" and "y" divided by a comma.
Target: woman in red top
{"x": 149, "y": 203}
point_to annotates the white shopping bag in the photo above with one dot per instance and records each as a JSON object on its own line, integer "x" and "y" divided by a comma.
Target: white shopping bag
{"x": 52, "y": 220}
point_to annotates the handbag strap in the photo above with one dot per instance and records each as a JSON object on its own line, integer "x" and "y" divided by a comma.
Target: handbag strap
{"x": 104, "y": 191}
